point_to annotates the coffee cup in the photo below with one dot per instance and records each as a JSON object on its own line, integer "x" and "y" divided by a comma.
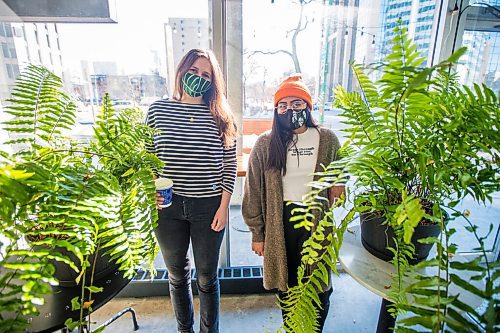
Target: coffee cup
{"x": 164, "y": 188}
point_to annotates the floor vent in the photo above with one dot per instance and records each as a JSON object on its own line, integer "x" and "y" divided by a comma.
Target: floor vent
{"x": 233, "y": 280}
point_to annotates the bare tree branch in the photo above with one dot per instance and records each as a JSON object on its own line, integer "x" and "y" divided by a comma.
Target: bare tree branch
{"x": 270, "y": 52}
{"x": 301, "y": 26}
{"x": 297, "y": 30}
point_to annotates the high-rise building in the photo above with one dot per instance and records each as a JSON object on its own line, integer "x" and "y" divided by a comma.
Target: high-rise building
{"x": 416, "y": 15}
{"x": 340, "y": 30}
{"x": 24, "y": 43}
{"x": 9, "y": 65}
{"x": 481, "y": 35}
{"x": 181, "y": 35}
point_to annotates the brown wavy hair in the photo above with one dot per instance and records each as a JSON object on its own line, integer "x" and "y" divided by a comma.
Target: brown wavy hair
{"x": 214, "y": 98}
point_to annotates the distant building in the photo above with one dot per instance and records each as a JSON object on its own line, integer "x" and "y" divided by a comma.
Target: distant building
{"x": 9, "y": 65}
{"x": 416, "y": 15}
{"x": 133, "y": 88}
{"x": 362, "y": 31}
{"x": 338, "y": 47}
{"x": 24, "y": 43}
{"x": 182, "y": 35}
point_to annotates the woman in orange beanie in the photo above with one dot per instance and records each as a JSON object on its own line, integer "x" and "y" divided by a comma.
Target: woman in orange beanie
{"x": 281, "y": 164}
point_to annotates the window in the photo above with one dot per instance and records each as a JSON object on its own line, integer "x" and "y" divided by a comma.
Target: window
{"x": 478, "y": 31}
{"x": 12, "y": 51}
{"x": 10, "y": 71}
{"x": 5, "y": 50}
{"x": 8, "y": 30}
{"x": 9, "y": 50}
{"x": 341, "y": 32}
{"x": 15, "y": 70}
{"x": 138, "y": 65}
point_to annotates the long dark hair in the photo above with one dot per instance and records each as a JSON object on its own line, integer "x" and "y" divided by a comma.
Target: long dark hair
{"x": 280, "y": 138}
{"x": 214, "y": 98}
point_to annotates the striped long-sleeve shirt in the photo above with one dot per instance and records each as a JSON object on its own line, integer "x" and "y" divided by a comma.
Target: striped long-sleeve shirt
{"x": 190, "y": 144}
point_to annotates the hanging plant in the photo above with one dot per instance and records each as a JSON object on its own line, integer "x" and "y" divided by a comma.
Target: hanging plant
{"x": 68, "y": 202}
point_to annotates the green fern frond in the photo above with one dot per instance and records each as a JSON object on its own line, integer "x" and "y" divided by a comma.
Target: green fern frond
{"x": 319, "y": 252}
{"x": 368, "y": 89}
{"x": 84, "y": 198}
{"x": 131, "y": 242}
{"x": 40, "y": 107}
{"x": 363, "y": 123}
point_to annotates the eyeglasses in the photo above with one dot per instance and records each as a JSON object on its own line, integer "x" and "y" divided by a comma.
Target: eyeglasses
{"x": 282, "y": 107}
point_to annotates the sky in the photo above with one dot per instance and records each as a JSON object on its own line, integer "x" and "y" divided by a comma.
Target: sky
{"x": 129, "y": 42}
{"x": 139, "y": 35}
{"x": 265, "y": 28}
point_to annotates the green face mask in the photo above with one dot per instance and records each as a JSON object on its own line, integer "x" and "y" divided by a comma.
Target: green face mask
{"x": 194, "y": 85}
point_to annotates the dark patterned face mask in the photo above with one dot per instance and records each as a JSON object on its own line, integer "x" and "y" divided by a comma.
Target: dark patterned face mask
{"x": 298, "y": 118}
{"x": 293, "y": 119}
{"x": 194, "y": 85}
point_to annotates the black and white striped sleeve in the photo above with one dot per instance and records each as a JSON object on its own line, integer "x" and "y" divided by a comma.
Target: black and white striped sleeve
{"x": 230, "y": 165}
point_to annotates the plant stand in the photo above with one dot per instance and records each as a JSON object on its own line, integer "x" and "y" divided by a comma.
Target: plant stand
{"x": 376, "y": 275}
{"x": 386, "y": 322}
{"x": 57, "y": 307}
{"x": 121, "y": 313}
{"x": 112, "y": 319}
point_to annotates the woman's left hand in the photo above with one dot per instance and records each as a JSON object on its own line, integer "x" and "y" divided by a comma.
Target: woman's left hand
{"x": 220, "y": 219}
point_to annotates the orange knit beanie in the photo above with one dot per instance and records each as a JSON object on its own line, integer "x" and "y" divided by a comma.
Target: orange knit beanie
{"x": 293, "y": 86}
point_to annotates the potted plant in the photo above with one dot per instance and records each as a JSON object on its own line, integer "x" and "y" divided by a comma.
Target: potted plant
{"x": 419, "y": 143}
{"x": 67, "y": 202}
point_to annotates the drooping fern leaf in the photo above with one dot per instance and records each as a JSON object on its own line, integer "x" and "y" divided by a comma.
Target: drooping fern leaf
{"x": 40, "y": 107}
{"x": 462, "y": 295}
{"x": 320, "y": 251}
{"x": 83, "y": 198}
{"x": 419, "y": 138}
{"x": 23, "y": 279}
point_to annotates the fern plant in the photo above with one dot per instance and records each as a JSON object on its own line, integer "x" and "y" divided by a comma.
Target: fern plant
{"x": 422, "y": 143}
{"x": 56, "y": 194}
{"x": 320, "y": 252}
{"x": 419, "y": 142}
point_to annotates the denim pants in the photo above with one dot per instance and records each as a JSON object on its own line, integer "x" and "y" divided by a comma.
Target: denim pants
{"x": 189, "y": 219}
{"x": 294, "y": 240}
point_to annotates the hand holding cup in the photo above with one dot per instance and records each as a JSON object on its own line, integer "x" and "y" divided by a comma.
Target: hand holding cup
{"x": 163, "y": 192}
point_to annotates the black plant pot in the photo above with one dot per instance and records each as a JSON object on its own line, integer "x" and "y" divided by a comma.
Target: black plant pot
{"x": 67, "y": 276}
{"x": 377, "y": 238}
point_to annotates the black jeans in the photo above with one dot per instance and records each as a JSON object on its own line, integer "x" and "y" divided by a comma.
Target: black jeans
{"x": 189, "y": 219}
{"x": 294, "y": 239}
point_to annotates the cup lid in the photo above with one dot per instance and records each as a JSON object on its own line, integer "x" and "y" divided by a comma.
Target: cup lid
{"x": 162, "y": 183}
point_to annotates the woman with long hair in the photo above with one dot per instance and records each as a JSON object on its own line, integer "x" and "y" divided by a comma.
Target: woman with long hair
{"x": 281, "y": 165}
{"x": 196, "y": 139}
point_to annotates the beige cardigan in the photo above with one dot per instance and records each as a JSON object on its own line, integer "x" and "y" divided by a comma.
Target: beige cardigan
{"x": 262, "y": 205}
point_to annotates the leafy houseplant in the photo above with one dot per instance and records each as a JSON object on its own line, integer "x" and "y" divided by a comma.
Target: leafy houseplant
{"x": 58, "y": 194}
{"x": 422, "y": 143}
{"x": 419, "y": 143}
